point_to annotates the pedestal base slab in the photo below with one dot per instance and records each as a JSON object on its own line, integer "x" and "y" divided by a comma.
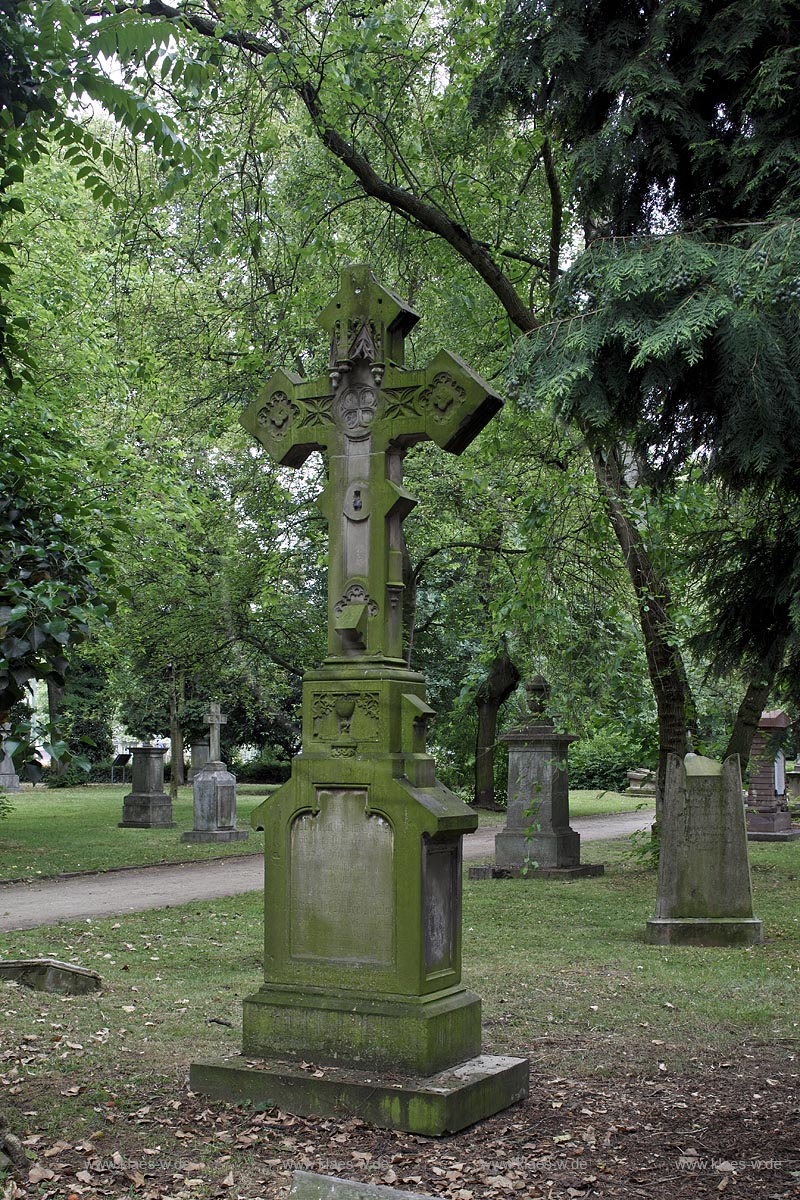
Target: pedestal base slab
{"x": 704, "y": 931}
{"x": 784, "y": 835}
{"x": 418, "y": 1036}
{"x": 215, "y": 835}
{"x": 584, "y": 871}
{"x": 147, "y": 812}
{"x": 432, "y": 1106}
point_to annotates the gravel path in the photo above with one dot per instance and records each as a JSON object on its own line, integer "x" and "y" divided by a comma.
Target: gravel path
{"x": 76, "y": 897}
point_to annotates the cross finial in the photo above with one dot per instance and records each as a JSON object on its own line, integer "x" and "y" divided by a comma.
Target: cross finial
{"x": 215, "y": 719}
{"x": 366, "y": 411}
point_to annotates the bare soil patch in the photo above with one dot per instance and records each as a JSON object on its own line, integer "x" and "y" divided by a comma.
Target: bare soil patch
{"x": 729, "y": 1127}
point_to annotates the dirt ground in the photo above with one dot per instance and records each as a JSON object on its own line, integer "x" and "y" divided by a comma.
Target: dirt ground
{"x": 727, "y": 1127}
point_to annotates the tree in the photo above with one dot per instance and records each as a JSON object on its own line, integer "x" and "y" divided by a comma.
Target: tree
{"x": 676, "y": 328}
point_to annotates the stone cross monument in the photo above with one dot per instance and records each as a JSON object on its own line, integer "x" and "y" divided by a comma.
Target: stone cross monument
{"x": 215, "y": 719}
{"x": 362, "y": 955}
{"x": 214, "y": 791}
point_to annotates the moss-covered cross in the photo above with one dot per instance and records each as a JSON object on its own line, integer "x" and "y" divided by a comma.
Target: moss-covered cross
{"x": 366, "y": 412}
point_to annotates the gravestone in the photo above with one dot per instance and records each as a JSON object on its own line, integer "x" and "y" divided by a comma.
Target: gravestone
{"x": 768, "y": 816}
{"x": 537, "y": 841}
{"x": 214, "y": 789}
{"x": 362, "y": 891}
{"x": 307, "y": 1186}
{"x": 200, "y": 754}
{"x": 704, "y": 893}
{"x": 9, "y": 779}
{"x": 641, "y": 782}
{"x": 147, "y": 806}
{"x": 50, "y": 975}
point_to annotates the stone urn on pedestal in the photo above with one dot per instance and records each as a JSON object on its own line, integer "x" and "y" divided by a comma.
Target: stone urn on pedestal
{"x": 537, "y": 840}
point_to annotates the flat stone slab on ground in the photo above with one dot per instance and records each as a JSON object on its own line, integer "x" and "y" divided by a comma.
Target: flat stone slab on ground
{"x": 50, "y": 975}
{"x": 434, "y": 1105}
{"x": 585, "y": 870}
{"x": 306, "y": 1186}
{"x": 786, "y": 835}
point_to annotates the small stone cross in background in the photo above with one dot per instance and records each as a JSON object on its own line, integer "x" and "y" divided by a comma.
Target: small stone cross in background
{"x": 215, "y": 719}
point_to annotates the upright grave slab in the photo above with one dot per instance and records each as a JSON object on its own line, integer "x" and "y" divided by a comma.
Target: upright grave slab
{"x": 214, "y": 791}
{"x": 768, "y": 816}
{"x": 704, "y": 892}
{"x": 362, "y": 954}
{"x": 147, "y": 805}
{"x": 200, "y": 754}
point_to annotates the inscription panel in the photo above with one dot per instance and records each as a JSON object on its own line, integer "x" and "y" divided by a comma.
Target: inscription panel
{"x": 341, "y": 882}
{"x": 440, "y": 908}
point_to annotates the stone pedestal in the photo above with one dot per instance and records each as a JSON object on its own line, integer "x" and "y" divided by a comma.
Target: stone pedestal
{"x": 704, "y": 892}
{"x": 215, "y": 806}
{"x": 147, "y": 806}
{"x": 201, "y": 752}
{"x": 537, "y": 841}
{"x": 768, "y": 816}
{"x": 9, "y": 779}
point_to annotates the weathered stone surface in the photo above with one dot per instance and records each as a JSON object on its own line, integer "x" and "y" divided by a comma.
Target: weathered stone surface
{"x": 306, "y": 1186}
{"x": 704, "y": 891}
{"x": 9, "y": 779}
{"x": 147, "y": 806}
{"x": 214, "y": 790}
{"x": 200, "y": 753}
{"x": 50, "y": 975}
{"x": 433, "y": 1106}
{"x": 362, "y": 952}
{"x": 582, "y": 871}
{"x": 537, "y": 841}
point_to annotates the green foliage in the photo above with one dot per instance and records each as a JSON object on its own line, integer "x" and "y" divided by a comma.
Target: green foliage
{"x": 603, "y": 760}
{"x": 6, "y": 807}
{"x": 55, "y": 552}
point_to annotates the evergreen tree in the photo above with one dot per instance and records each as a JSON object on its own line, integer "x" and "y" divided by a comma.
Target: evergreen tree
{"x": 676, "y": 326}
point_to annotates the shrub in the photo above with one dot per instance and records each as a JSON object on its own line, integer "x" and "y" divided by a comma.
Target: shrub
{"x": 603, "y": 761}
{"x": 262, "y": 771}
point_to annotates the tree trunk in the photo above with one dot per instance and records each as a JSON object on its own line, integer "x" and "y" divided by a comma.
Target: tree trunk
{"x": 55, "y": 694}
{"x": 498, "y": 685}
{"x": 753, "y": 702}
{"x": 674, "y": 703}
{"x": 176, "y": 776}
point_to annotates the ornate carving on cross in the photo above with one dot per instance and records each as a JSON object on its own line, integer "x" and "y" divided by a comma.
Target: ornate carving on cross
{"x": 366, "y": 412}
{"x": 215, "y": 720}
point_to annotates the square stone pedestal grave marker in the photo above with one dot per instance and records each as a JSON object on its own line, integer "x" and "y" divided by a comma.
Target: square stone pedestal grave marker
{"x": 147, "y": 805}
{"x": 704, "y": 892}
{"x": 537, "y": 841}
{"x": 362, "y": 1010}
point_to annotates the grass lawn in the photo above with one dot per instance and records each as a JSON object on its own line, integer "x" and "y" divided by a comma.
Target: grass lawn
{"x": 637, "y": 1052}
{"x": 76, "y": 829}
